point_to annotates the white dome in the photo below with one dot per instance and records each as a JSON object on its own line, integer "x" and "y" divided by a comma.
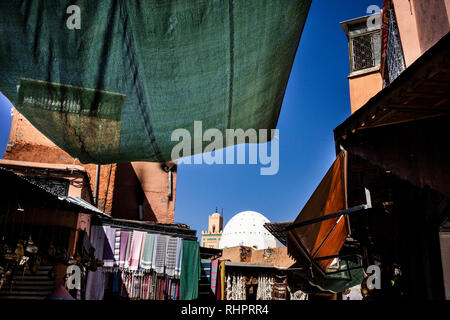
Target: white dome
{"x": 247, "y": 229}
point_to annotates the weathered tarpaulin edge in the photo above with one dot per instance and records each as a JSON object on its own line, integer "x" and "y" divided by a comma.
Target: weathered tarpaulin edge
{"x": 143, "y": 134}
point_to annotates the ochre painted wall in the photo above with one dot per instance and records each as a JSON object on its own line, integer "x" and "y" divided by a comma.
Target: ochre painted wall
{"x": 364, "y": 87}
{"x": 421, "y": 24}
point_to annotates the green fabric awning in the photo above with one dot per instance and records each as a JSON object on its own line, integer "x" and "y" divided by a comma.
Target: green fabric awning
{"x": 115, "y": 89}
{"x": 352, "y": 274}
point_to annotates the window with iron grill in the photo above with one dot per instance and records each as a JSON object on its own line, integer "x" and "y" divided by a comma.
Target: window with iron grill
{"x": 365, "y": 51}
{"x": 56, "y": 186}
{"x": 394, "y": 51}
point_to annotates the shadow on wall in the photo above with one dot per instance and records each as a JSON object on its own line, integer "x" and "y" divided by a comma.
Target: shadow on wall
{"x": 128, "y": 195}
{"x": 432, "y": 21}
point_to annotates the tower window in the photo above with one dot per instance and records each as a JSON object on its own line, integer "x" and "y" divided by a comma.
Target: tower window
{"x": 365, "y": 51}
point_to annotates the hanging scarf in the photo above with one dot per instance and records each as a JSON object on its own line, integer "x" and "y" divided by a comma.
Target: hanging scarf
{"x": 95, "y": 285}
{"x": 135, "y": 250}
{"x": 222, "y": 280}
{"x": 117, "y": 247}
{"x": 159, "y": 253}
{"x": 178, "y": 258}
{"x": 264, "y": 291}
{"x": 108, "y": 251}
{"x": 171, "y": 256}
{"x": 214, "y": 265}
{"x": 205, "y": 277}
{"x": 124, "y": 236}
{"x": 147, "y": 255}
{"x": 128, "y": 251}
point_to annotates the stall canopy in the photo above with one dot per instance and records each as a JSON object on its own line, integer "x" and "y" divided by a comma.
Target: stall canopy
{"x": 112, "y": 81}
{"x": 318, "y": 231}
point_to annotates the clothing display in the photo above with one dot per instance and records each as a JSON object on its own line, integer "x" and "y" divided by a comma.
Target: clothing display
{"x": 280, "y": 288}
{"x": 142, "y": 265}
{"x": 235, "y": 286}
{"x": 264, "y": 291}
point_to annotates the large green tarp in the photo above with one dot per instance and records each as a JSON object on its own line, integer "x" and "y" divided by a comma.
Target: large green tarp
{"x": 115, "y": 89}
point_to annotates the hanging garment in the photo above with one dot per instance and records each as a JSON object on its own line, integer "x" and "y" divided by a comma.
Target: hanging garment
{"x": 115, "y": 90}
{"x": 235, "y": 286}
{"x": 117, "y": 248}
{"x": 190, "y": 270}
{"x": 128, "y": 251}
{"x": 171, "y": 256}
{"x": 279, "y": 288}
{"x": 135, "y": 250}
{"x": 159, "y": 254}
{"x": 95, "y": 283}
{"x": 214, "y": 265}
{"x": 144, "y": 236}
{"x": 124, "y": 235}
{"x": 178, "y": 258}
{"x": 108, "y": 251}
{"x": 264, "y": 291}
{"x": 229, "y": 287}
{"x": 222, "y": 280}
{"x": 279, "y": 291}
{"x": 205, "y": 278}
{"x": 147, "y": 255}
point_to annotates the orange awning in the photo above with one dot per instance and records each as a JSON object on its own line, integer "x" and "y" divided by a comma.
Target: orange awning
{"x": 323, "y": 238}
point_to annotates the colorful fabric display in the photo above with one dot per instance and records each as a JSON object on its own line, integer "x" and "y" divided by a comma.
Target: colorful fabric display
{"x": 264, "y": 291}
{"x": 145, "y": 266}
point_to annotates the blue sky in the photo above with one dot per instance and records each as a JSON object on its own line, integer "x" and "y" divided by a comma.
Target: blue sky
{"x": 316, "y": 101}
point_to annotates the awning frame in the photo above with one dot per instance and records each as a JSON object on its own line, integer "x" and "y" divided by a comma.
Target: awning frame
{"x": 342, "y": 213}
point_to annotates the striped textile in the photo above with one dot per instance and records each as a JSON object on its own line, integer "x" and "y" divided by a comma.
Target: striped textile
{"x": 171, "y": 256}
{"x": 147, "y": 254}
{"x": 214, "y": 265}
{"x": 124, "y": 236}
{"x": 205, "y": 277}
{"x": 159, "y": 253}
{"x": 178, "y": 258}
{"x": 117, "y": 248}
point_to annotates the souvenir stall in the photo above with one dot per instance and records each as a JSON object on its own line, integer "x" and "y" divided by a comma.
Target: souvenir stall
{"x": 143, "y": 261}
{"x": 40, "y": 236}
{"x": 248, "y": 281}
